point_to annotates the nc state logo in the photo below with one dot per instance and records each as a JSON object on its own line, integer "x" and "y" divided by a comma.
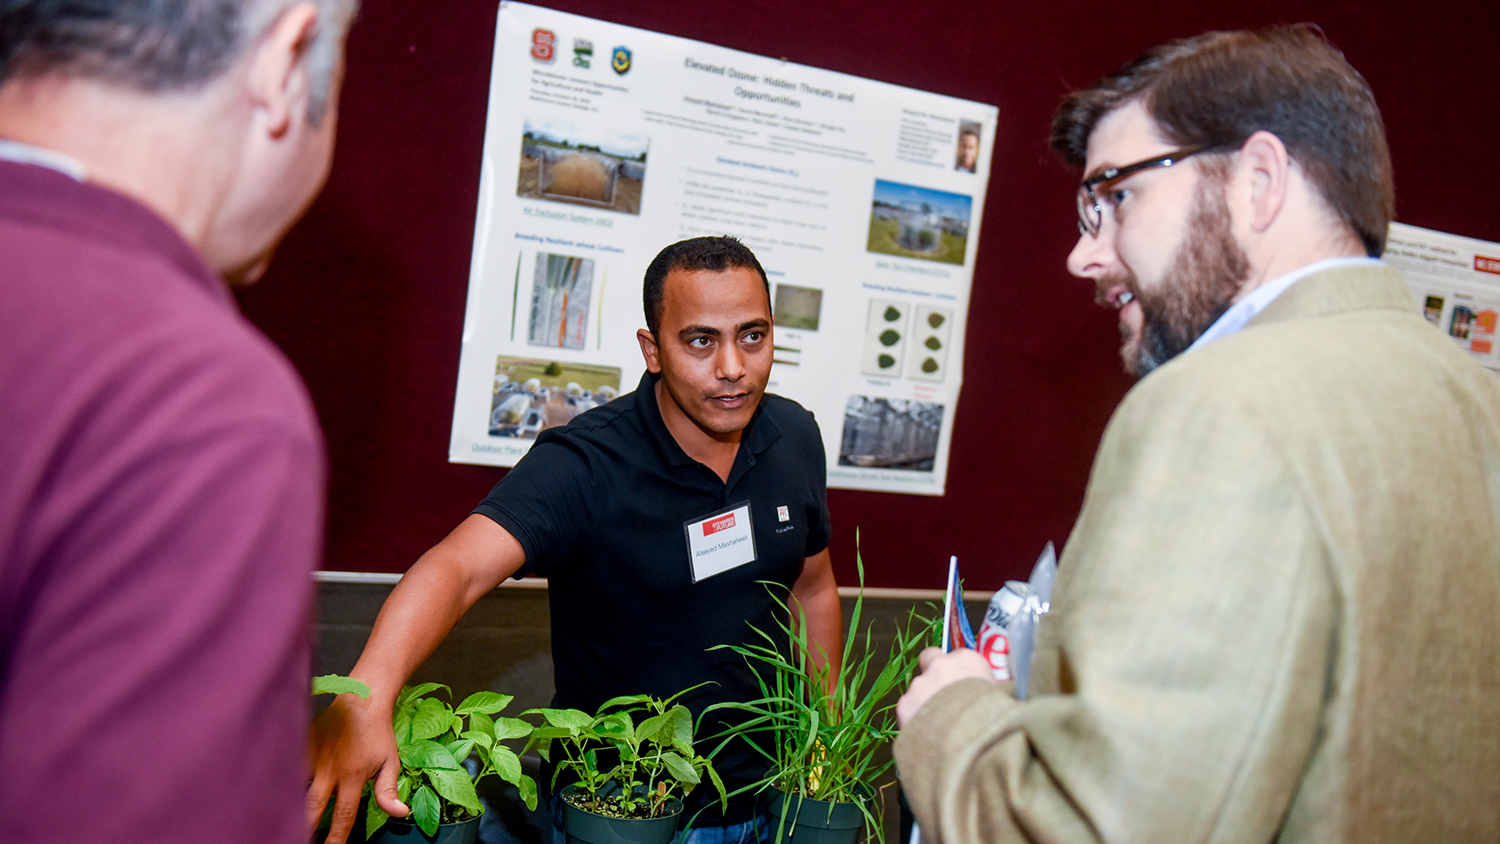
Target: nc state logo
{"x": 543, "y": 45}
{"x": 620, "y": 60}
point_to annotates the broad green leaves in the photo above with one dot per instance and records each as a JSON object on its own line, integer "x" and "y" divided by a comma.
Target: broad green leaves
{"x": 653, "y": 759}
{"x": 434, "y": 740}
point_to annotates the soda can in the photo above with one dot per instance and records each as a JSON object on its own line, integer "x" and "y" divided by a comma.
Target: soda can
{"x": 994, "y": 636}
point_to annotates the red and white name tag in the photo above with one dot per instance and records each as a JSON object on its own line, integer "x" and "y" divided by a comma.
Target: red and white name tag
{"x": 720, "y": 542}
{"x": 713, "y": 526}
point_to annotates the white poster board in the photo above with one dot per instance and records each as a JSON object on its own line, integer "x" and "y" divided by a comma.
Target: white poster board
{"x": 1456, "y": 282}
{"x": 605, "y": 143}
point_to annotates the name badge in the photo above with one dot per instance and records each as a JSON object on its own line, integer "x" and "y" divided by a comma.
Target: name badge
{"x": 720, "y": 542}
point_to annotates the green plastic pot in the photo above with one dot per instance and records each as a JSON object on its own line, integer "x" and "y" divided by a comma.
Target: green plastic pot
{"x": 583, "y": 827}
{"x": 803, "y": 820}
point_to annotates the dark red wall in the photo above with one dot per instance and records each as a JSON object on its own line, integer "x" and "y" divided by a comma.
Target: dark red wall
{"x": 367, "y": 293}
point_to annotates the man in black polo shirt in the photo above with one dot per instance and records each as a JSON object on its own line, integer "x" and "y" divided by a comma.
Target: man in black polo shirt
{"x": 654, "y": 518}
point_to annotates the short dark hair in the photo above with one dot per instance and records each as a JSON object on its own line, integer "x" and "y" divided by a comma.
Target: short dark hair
{"x": 156, "y": 45}
{"x": 715, "y": 254}
{"x": 1220, "y": 87}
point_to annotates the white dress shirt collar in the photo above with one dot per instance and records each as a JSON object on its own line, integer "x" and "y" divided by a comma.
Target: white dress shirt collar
{"x": 42, "y": 157}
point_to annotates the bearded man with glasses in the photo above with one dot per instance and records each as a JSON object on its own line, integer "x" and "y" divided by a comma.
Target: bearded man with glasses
{"x": 1277, "y": 615}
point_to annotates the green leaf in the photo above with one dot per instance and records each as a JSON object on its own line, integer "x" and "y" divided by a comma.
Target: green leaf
{"x": 527, "y": 787}
{"x": 509, "y": 728}
{"x": 682, "y": 728}
{"x": 572, "y": 719}
{"x": 624, "y": 700}
{"x": 461, "y": 748}
{"x": 718, "y": 784}
{"x": 479, "y": 738}
{"x": 375, "y": 817}
{"x": 547, "y": 733}
{"x": 426, "y": 810}
{"x": 615, "y": 725}
{"x": 484, "y": 703}
{"x": 411, "y": 693}
{"x": 401, "y": 724}
{"x": 427, "y": 754}
{"x": 432, "y": 719}
{"x": 657, "y": 728}
{"x": 456, "y": 787}
{"x": 542, "y": 746}
{"x": 338, "y": 684}
{"x": 482, "y": 725}
{"x": 507, "y": 764}
{"x": 680, "y": 768}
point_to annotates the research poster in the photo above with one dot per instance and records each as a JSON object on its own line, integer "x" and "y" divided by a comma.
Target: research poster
{"x": 862, "y": 200}
{"x": 1456, "y": 282}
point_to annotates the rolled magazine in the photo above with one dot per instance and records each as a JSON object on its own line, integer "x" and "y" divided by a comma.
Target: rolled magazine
{"x": 1009, "y": 630}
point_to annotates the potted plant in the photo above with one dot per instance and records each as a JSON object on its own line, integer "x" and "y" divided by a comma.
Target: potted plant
{"x": 827, "y": 730}
{"x": 438, "y": 743}
{"x": 633, "y": 761}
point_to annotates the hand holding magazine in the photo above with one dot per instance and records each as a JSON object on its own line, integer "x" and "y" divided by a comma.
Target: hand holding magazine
{"x": 1009, "y": 629}
{"x": 1005, "y": 639}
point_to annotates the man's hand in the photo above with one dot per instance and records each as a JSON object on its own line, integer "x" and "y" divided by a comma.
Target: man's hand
{"x": 352, "y": 742}
{"x": 939, "y": 670}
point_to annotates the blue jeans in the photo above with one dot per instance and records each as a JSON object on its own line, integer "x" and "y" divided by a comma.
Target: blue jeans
{"x": 753, "y": 831}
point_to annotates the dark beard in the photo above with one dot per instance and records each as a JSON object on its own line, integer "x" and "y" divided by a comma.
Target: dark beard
{"x": 1206, "y": 273}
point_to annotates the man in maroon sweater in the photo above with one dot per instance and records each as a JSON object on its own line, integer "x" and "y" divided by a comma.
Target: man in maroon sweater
{"x": 161, "y": 470}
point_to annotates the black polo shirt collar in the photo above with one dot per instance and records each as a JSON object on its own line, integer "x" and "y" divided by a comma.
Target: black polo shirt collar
{"x": 759, "y": 435}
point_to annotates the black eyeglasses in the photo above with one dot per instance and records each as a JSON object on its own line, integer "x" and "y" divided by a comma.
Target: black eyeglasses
{"x": 1091, "y": 210}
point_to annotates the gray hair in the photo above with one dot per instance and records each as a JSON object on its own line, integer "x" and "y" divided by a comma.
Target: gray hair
{"x": 159, "y": 45}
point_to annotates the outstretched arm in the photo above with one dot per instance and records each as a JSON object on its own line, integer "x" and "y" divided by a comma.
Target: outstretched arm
{"x": 352, "y": 741}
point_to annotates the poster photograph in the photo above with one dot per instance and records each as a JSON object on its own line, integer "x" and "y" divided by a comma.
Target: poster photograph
{"x": 604, "y": 143}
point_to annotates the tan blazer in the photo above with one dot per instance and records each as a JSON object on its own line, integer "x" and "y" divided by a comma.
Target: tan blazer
{"x": 1278, "y": 616}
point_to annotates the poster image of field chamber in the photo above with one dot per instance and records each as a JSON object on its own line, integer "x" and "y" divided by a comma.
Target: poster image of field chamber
{"x": 885, "y": 337}
{"x": 890, "y": 434}
{"x": 928, "y": 360}
{"x": 916, "y": 222}
{"x": 560, "y": 292}
{"x": 531, "y": 395}
{"x": 582, "y": 164}
{"x": 798, "y": 307}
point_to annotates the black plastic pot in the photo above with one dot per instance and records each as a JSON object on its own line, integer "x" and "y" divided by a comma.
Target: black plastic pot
{"x": 397, "y": 831}
{"x": 803, "y": 820}
{"x": 583, "y": 827}
{"x": 405, "y": 832}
